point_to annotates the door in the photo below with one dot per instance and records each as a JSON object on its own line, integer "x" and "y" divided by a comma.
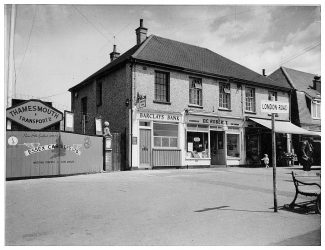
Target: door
{"x": 218, "y": 148}
{"x": 145, "y": 147}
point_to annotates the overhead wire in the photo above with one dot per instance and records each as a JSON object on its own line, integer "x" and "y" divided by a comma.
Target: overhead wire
{"x": 94, "y": 26}
{"x": 28, "y": 40}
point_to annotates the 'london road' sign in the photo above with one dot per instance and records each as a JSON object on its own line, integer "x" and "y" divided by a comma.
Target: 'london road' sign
{"x": 34, "y": 114}
{"x": 274, "y": 107}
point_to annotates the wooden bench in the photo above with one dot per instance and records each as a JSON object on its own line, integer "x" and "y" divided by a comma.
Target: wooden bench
{"x": 303, "y": 189}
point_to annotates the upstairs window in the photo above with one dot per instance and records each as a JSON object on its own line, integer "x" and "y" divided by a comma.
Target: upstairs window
{"x": 161, "y": 86}
{"x": 99, "y": 92}
{"x": 84, "y": 109}
{"x": 273, "y": 96}
{"x": 250, "y": 99}
{"x": 84, "y": 105}
{"x": 196, "y": 91}
{"x": 224, "y": 95}
{"x": 315, "y": 109}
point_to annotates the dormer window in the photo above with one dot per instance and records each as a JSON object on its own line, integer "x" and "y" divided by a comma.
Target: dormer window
{"x": 315, "y": 109}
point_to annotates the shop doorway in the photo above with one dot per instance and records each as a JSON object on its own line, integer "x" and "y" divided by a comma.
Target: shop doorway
{"x": 218, "y": 156}
{"x": 145, "y": 148}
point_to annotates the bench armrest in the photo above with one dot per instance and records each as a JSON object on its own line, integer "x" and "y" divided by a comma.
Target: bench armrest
{"x": 303, "y": 183}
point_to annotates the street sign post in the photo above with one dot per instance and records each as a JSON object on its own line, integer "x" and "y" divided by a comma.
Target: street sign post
{"x": 274, "y": 107}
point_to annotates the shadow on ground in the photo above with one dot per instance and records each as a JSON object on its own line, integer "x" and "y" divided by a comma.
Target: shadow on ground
{"x": 306, "y": 207}
{"x": 225, "y": 208}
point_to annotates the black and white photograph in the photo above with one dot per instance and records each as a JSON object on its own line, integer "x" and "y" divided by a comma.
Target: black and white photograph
{"x": 162, "y": 123}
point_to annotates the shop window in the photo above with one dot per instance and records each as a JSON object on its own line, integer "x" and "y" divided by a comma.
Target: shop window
{"x": 197, "y": 145}
{"x": 224, "y": 95}
{"x": 315, "y": 109}
{"x": 273, "y": 96}
{"x": 233, "y": 148}
{"x": 196, "y": 91}
{"x": 165, "y": 135}
{"x": 161, "y": 86}
{"x": 250, "y": 99}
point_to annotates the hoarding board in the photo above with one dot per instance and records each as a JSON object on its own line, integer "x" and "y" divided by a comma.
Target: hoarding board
{"x": 31, "y": 154}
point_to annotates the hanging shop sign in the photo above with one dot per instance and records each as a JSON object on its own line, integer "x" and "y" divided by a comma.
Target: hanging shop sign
{"x": 159, "y": 116}
{"x": 34, "y": 114}
{"x": 274, "y": 107}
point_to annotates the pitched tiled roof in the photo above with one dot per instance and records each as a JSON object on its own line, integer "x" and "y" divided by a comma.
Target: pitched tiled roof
{"x": 121, "y": 59}
{"x": 304, "y": 112}
{"x": 160, "y": 50}
{"x": 300, "y": 81}
{"x": 186, "y": 56}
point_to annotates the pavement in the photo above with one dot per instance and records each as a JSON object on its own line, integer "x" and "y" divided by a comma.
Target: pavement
{"x": 178, "y": 207}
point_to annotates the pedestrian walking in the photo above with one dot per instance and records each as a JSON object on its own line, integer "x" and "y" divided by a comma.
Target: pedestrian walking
{"x": 306, "y": 154}
{"x": 266, "y": 160}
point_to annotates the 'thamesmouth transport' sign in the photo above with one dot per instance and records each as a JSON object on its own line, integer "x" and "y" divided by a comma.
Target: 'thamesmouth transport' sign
{"x": 34, "y": 114}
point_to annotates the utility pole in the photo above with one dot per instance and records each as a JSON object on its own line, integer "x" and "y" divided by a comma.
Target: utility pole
{"x": 10, "y": 33}
{"x": 10, "y": 22}
{"x": 275, "y": 201}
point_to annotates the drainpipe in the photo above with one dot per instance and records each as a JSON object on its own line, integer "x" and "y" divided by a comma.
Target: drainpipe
{"x": 131, "y": 119}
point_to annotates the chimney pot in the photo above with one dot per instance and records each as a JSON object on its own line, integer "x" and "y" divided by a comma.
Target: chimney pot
{"x": 113, "y": 55}
{"x": 141, "y": 32}
{"x": 263, "y": 72}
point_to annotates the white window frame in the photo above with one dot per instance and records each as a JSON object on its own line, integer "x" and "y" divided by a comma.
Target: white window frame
{"x": 223, "y": 95}
{"x": 195, "y": 91}
{"x": 252, "y": 100}
{"x": 315, "y": 105}
{"x": 162, "y": 147}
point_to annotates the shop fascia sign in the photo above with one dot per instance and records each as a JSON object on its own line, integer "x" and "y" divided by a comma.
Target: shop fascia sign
{"x": 211, "y": 121}
{"x": 159, "y": 117}
{"x": 274, "y": 107}
{"x": 34, "y": 114}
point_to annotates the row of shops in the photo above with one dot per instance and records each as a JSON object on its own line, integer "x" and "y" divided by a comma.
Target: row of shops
{"x": 189, "y": 139}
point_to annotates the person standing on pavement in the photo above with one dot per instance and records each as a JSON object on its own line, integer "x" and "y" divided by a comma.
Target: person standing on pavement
{"x": 306, "y": 154}
{"x": 266, "y": 160}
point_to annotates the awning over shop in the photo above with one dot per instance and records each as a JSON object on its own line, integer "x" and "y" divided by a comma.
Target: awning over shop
{"x": 283, "y": 127}
{"x": 318, "y": 133}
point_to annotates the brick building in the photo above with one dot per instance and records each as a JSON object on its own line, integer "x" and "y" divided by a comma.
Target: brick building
{"x": 181, "y": 105}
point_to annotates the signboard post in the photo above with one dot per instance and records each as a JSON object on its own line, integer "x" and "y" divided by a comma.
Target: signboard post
{"x": 274, "y": 107}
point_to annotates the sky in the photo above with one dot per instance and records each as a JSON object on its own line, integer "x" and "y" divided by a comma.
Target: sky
{"x": 58, "y": 46}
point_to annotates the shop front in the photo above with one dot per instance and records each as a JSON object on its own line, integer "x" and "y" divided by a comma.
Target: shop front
{"x": 212, "y": 140}
{"x": 156, "y": 139}
{"x": 259, "y": 140}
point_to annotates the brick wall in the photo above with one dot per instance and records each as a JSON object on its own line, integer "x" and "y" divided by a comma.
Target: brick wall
{"x": 115, "y": 89}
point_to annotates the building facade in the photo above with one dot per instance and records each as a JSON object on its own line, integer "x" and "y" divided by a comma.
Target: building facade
{"x": 181, "y": 105}
{"x": 306, "y": 105}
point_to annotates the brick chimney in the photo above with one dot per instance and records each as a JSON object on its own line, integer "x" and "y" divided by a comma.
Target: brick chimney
{"x": 141, "y": 33}
{"x": 317, "y": 81}
{"x": 113, "y": 55}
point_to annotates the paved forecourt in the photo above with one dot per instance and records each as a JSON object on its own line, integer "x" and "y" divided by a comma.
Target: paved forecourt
{"x": 222, "y": 206}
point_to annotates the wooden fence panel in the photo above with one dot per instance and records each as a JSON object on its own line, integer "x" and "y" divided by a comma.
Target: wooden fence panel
{"x": 116, "y": 151}
{"x": 166, "y": 157}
